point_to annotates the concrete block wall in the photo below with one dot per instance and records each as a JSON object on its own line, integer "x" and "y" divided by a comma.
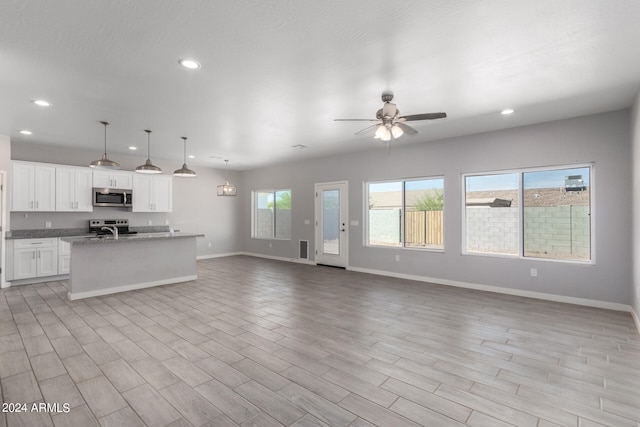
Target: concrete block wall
{"x": 493, "y": 230}
{"x": 384, "y": 227}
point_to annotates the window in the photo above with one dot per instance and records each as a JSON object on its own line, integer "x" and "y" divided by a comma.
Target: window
{"x": 406, "y": 213}
{"x": 541, "y": 213}
{"x": 272, "y": 214}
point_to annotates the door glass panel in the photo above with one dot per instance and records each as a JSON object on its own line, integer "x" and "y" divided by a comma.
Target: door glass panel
{"x": 331, "y": 222}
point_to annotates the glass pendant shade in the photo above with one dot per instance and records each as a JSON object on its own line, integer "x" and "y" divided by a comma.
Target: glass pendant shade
{"x": 184, "y": 171}
{"x": 148, "y": 167}
{"x": 396, "y": 131}
{"x": 227, "y": 189}
{"x": 104, "y": 162}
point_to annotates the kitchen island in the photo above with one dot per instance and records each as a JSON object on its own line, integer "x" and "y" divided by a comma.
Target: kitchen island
{"x": 106, "y": 265}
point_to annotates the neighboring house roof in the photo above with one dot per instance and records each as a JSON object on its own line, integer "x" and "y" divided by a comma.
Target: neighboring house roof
{"x": 535, "y": 197}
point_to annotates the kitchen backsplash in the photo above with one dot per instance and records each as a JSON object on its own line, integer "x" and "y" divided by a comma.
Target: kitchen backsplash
{"x": 39, "y": 220}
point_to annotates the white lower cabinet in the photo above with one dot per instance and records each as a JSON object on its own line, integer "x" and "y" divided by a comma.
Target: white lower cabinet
{"x": 35, "y": 258}
{"x": 64, "y": 257}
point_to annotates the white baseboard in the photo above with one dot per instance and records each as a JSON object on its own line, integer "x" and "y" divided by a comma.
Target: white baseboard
{"x": 132, "y": 287}
{"x": 516, "y": 292}
{"x": 635, "y": 319}
{"x": 34, "y": 280}
{"x": 278, "y": 258}
{"x": 199, "y": 257}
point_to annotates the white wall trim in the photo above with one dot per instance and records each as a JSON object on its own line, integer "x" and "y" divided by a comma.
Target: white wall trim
{"x": 636, "y": 319}
{"x": 278, "y": 258}
{"x": 516, "y": 292}
{"x": 222, "y": 255}
{"x": 132, "y": 287}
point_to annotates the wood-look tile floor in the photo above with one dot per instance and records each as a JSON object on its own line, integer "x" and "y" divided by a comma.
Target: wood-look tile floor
{"x": 256, "y": 342}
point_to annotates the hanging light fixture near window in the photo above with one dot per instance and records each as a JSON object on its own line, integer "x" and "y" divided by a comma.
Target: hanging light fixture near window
{"x": 148, "y": 167}
{"x": 227, "y": 189}
{"x": 104, "y": 162}
{"x": 184, "y": 171}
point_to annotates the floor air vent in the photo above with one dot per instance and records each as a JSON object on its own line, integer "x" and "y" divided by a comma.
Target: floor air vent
{"x": 304, "y": 249}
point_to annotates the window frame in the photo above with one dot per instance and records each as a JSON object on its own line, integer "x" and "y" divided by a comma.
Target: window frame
{"x": 254, "y": 216}
{"x": 402, "y": 182}
{"x": 521, "y": 241}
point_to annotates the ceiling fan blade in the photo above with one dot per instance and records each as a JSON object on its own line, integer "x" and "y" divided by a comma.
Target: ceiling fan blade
{"x": 406, "y": 129}
{"x": 426, "y": 116}
{"x": 355, "y": 120}
{"x": 360, "y": 132}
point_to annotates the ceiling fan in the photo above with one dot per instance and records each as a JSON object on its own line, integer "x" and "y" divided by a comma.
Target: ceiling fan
{"x": 390, "y": 124}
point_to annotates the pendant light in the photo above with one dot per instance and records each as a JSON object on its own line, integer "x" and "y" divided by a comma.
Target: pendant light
{"x": 104, "y": 162}
{"x": 184, "y": 170}
{"x": 227, "y": 189}
{"x": 148, "y": 167}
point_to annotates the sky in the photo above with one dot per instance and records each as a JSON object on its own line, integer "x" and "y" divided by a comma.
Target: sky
{"x": 506, "y": 181}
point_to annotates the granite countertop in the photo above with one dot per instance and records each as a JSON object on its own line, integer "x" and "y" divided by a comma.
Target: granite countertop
{"x": 128, "y": 238}
{"x": 46, "y": 233}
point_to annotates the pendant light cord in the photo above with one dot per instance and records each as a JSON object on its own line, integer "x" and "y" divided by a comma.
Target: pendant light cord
{"x": 148, "y": 143}
{"x": 184, "y": 138}
{"x": 105, "y": 136}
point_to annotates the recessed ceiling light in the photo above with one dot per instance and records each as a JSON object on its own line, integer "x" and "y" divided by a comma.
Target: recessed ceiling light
{"x": 506, "y": 111}
{"x": 299, "y": 146}
{"x": 216, "y": 157}
{"x": 131, "y": 147}
{"x": 191, "y": 156}
{"x": 26, "y": 132}
{"x": 42, "y": 102}
{"x": 190, "y": 64}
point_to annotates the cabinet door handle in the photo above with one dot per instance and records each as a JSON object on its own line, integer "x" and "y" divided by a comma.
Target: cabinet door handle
{"x": 76, "y": 205}
{"x": 31, "y": 205}
{"x": 37, "y": 204}
{"x": 33, "y": 255}
{"x": 38, "y": 254}
{"x": 71, "y": 203}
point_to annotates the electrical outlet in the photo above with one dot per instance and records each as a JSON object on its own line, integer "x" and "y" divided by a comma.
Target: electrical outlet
{"x": 209, "y": 244}
{"x": 149, "y": 222}
{"x": 398, "y": 258}
{"x": 166, "y": 222}
{"x": 307, "y": 222}
{"x": 47, "y": 224}
{"x": 270, "y": 245}
{"x": 534, "y": 272}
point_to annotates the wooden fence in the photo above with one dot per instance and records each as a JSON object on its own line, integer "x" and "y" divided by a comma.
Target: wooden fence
{"x": 424, "y": 228}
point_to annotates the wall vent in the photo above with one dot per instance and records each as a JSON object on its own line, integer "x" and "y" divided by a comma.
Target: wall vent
{"x": 304, "y": 249}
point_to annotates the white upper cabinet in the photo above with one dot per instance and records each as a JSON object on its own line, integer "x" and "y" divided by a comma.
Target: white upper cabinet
{"x": 33, "y": 187}
{"x": 152, "y": 193}
{"x": 74, "y": 189}
{"x": 113, "y": 179}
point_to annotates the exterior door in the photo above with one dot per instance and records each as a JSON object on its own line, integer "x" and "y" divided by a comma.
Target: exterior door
{"x": 332, "y": 230}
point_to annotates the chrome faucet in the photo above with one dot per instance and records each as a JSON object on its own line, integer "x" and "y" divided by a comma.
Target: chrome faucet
{"x": 113, "y": 230}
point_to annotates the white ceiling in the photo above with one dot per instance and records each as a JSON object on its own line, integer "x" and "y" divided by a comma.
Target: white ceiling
{"x": 275, "y": 73}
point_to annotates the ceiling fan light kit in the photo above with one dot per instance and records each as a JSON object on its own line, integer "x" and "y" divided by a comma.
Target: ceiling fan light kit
{"x": 104, "y": 162}
{"x": 389, "y": 123}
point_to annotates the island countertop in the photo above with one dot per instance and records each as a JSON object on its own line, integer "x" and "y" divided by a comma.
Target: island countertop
{"x": 127, "y": 238}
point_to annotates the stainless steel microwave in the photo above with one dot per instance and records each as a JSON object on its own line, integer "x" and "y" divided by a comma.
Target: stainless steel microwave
{"x": 112, "y": 197}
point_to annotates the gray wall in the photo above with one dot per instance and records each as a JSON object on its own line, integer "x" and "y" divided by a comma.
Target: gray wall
{"x": 635, "y": 141}
{"x": 603, "y": 139}
{"x": 196, "y": 206}
{"x": 5, "y": 165}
